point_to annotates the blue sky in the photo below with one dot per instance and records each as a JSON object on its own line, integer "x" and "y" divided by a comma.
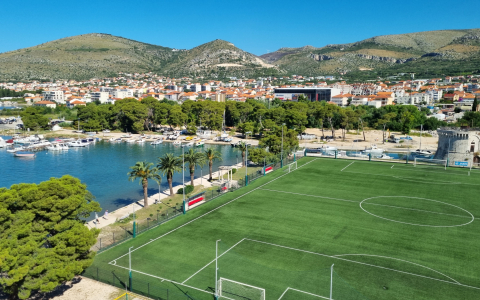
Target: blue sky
{"x": 254, "y": 26}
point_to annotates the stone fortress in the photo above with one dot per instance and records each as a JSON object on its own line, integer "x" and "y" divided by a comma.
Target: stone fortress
{"x": 455, "y": 144}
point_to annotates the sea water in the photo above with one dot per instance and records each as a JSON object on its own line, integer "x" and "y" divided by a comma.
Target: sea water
{"x": 103, "y": 167}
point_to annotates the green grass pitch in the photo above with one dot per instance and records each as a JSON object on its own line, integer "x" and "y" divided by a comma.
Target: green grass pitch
{"x": 392, "y": 231}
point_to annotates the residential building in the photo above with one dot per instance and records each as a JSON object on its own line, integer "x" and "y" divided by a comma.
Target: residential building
{"x": 56, "y": 96}
{"x": 415, "y": 99}
{"x": 312, "y": 94}
{"x": 99, "y": 96}
{"x": 45, "y": 104}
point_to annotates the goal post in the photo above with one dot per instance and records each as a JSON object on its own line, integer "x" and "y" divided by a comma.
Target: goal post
{"x": 292, "y": 166}
{"x": 427, "y": 162}
{"x": 234, "y": 290}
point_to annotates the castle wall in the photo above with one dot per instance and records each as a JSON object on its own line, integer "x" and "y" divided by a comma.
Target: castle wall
{"x": 457, "y": 145}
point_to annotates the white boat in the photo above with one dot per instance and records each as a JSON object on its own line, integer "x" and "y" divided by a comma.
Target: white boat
{"x": 140, "y": 141}
{"x": 57, "y": 147}
{"x": 112, "y": 139}
{"x": 2, "y": 143}
{"x": 420, "y": 152}
{"x": 384, "y": 156}
{"x": 359, "y": 155}
{"x": 156, "y": 142}
{"x": 130, "y": 141}
{"x": 199, "y": 143}
{"x": 24, "y": 154}
{"x": 374, "y": 150}
{"x": 189, "y": 144}
{"x": 13, "y": 150}
{"x": 176, "y": 143}
{"x": 77, "y": 143}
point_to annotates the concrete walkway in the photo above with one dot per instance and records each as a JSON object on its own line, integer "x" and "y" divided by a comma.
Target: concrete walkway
{"x": 129, "y": 209}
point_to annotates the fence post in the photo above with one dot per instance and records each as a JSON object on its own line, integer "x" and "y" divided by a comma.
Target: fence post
{"x": 100, "y": 243}
{"x": 369, "y": 156}
{"x": 336, "y": 152}
{"x": 148, "y": 223}
{"x": 148, "y": 288}
{"x": 113, "y": 277}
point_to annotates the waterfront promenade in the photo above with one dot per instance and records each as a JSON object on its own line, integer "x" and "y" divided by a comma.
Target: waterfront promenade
{"x": 113, "y": 216}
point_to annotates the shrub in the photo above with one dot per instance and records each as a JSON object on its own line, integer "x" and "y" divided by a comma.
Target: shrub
{"x": 188, "y": 190}
{"x": 234, "y": 171}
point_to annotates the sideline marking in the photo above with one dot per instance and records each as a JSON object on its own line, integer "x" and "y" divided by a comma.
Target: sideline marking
{"x": 422, "y": 225}
{"x": 218, "y": 207}
{"x": 391, "y": 167}
{"x": 402, "y": 261}
{"x": 361, "y": 263}
{"x": 347, "y": 166}
{"x": 213, "y": 260}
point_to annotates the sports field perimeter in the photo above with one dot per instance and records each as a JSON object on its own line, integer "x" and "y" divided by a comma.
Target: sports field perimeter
{"x": 392, "y": 231}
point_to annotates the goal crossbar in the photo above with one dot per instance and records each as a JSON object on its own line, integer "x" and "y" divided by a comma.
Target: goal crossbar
{"x": 292, "y": 166}
{"x": 420, "y": 161}
{"x": 234, "y": 290}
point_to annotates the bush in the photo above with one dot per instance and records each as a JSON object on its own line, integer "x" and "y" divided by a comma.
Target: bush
{"x": 234, "y": 171}
{"x": 188, "y": 190}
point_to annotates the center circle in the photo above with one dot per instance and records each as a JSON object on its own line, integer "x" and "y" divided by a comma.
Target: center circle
{"x": 437, "y": 211}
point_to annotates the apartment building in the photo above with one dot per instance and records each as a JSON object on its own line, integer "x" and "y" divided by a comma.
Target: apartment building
{"x": 56, "y": 96}
{"x": 415, "y": 99}
{"x": 99, "y": 96}
{"x": 122, "y": 93}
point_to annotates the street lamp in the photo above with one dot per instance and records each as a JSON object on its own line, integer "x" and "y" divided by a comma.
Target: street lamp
{"x": 183, "y": 178}
{"x": 246, "y": 155}
{"x": 216, "y": 269}
{"x": 281, "y": 155}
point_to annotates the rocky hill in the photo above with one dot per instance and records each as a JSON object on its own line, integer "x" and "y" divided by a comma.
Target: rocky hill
{"x": 433, "y": 52}
{"x": 103, "y": 55}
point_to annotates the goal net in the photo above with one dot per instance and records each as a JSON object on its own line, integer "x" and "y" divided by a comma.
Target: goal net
{"x": 474, "y": 169}
{"x": 292, "y": 166}
{"x": 426, "y": 162}
{"x": 233, "y": 290}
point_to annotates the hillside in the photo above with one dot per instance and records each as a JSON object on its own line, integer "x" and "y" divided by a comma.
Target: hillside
{"x": 103, "y": 55}
{"x": 431, "y": 52}
{"x": 83, "y": 57}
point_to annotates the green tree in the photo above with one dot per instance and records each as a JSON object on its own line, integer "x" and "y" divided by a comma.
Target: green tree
{"x": 169, "y": 165}
{"x": 246, "y": 127}
{"x": 194, "y": 159}
{"x": 384, "y": 121}
{"x": 176, "y": 117}
{"x": 475, "y": 104}
{"x": 144, "y": 171}
{"x": 33, "y": 119}
{"x": 260, "y": 156}
{"x": 191, "y": 128}
{"x": 43, "y": 238}
{"x": 212, "y": 155}
{"x": 242, "y": 147}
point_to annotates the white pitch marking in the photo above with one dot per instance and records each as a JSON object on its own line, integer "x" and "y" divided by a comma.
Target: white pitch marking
{"x": 213, "y": 260}
{"x": 415, "y": 209}
{"x": 347, "y": 166}
{"x": 402, "y": 261}
{"x": 310, "y": 195}
{"x": 209, "y": 212}
{"x": 361, "y": 263}
{"x": 391, "y": 167}
{"x": 309, "y": 294}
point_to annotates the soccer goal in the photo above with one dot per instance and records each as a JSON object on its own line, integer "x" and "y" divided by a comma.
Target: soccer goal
{"x": 233, "y": 290}
{"x": 474, "y": 168}
{"x": 426, "y": 162}
{"x": 291, "y": 167}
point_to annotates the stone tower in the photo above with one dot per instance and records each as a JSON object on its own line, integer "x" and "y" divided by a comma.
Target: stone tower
{"x": 456, "y": 144}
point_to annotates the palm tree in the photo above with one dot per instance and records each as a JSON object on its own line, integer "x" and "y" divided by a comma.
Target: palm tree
{"x": 144, "y": 171}
{"x": 242, "y": 146}
{"x": 168, "y": 165}
{"x": 194, "y": 159}
{"x": 212, "y": 155}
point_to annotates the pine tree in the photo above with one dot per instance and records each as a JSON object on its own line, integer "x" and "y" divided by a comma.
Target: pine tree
{"x": 475, "y": 104}
{"x": 43, "y": 239}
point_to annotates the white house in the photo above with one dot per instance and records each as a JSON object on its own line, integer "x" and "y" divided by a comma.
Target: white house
{"x": 415, "y": 99}
{"x": 122, "y": 93}
{"x": 100, "y": 96}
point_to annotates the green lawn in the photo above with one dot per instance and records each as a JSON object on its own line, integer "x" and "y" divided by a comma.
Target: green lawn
{"x": 392, "y": 231}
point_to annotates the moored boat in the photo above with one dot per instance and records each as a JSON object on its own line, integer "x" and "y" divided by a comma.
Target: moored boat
{"x": 24, "y": 154}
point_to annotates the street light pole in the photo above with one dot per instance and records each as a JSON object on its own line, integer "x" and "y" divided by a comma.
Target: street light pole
{"x": 246, "y": 157}
{"x": 183, "y": 178}
{"x": 130, "y": 268}
{"x": 281, "y": 155}
{"x": 216, "y": 269}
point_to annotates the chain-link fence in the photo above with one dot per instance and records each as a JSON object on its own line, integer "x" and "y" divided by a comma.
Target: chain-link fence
{"x": 123, "y": 229}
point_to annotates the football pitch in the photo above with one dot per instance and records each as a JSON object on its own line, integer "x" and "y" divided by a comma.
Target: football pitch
{"x": 390, "y": 230}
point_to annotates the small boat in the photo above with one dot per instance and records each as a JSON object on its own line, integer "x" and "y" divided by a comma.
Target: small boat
{"x": 112, "y": 140}
{"x": 140, "y": 141}
{"x": 57, "y": 147}
{"x": 420, "y": 152}
{"x": 359, "y": 155}
{"x": 199, "y": 143}
{"x": 130, "y": 141}
{"x": 2, "y": 143}
{"x": 190, "y": 144}
{"x": 374, "y": 150}
{"x": 156, "y": 142}
{"x": 16, "y": 149}
{"x": 384, "y": 156}
{"x": 177, "y": 143}
{"x": 77, "y": 143}
{"x": 24, "y": 154}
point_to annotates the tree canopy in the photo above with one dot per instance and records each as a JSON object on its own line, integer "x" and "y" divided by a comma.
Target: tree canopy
{"x": 43, "y": 239}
